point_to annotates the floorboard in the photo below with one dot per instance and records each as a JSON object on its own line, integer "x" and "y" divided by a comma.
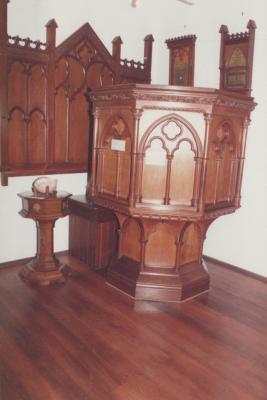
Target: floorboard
{"x": 86, "y": 341}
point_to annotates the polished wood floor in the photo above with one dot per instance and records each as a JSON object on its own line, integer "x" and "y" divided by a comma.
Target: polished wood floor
{"x": 86, "y": 341}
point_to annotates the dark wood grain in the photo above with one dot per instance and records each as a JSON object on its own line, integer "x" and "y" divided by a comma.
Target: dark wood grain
{"x": 85, "y": 340}
{"x": 92, "y": 232}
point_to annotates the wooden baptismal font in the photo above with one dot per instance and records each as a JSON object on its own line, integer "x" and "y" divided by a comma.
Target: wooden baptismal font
{"x": 45, "y": 206}
{"x": 168, "y": 161}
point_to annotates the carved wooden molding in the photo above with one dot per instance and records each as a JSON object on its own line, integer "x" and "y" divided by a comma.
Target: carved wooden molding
{"x": 160, "y": 93}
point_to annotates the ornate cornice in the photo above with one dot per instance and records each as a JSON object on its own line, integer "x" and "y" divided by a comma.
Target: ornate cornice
{"x": 166, "y": 215}
{"x": 166, "y": 94}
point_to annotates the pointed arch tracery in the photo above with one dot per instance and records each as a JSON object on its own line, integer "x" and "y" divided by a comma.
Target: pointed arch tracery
{"x": 170, "y": 149}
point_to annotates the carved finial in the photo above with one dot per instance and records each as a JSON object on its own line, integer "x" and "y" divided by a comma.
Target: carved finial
{"x": 51, "y": 24}
{"x": 117, "y": 39}
{"x": 149, "y": 38}
{"x": 148, "y": 56}
{"x": 251, "y": 24}
{"x": 3, "y": 20}
{"x": 224, "y": 29}
{"x": 116, "y": 48}
{"x": 51, "y": 27}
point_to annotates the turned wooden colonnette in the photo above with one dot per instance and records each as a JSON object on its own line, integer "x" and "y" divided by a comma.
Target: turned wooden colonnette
{"x": 168, "y": 161}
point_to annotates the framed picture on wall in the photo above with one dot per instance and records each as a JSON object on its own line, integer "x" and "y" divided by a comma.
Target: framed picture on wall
{"x": 181, "y": 60}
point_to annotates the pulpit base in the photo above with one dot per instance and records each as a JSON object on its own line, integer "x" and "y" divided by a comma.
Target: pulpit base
{"x": 189, "y": 280}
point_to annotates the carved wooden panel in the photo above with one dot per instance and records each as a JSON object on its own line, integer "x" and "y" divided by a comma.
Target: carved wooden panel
{"x": 223, "y": 163}
{"x": 130, "y": 249}
{"x": 190, "y": 244}
{"x": 161, "y": 238}
{"x": 115, "y": 158}
{"x": 26, "y": 122}
{"x": 44, "y": 126}
{"x": 92, "y": 233}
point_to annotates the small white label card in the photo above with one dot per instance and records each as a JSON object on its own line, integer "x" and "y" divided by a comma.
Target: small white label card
{"x": 117, "y": 144}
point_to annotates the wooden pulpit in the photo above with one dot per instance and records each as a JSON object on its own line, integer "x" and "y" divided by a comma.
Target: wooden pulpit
{"x": 168, "y": 161}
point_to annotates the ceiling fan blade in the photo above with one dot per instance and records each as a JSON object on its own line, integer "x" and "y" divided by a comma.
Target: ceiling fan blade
{"x": 189, "y": 3}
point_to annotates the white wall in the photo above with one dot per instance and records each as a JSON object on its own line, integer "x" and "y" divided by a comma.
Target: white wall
{"x": 238, "y": 238}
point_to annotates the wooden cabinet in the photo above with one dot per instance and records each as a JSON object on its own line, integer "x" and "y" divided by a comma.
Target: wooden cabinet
{"x": 168, "y": 161}
{"x": 92, "y": 233}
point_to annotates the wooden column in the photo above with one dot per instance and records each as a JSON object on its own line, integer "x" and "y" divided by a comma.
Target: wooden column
{"x": 3, "y": 88}
{"x": 246, "y": 123}
{"x": 251, "y": 29}
{"x": 92, "y": 183}
{"x": 116, "y": 53}
{"x": 136, "y": 122}
{"x": 148, "y": 56}
{"x": 208, "y": 119}
{"x": 224, "y": 32}
{"x": 51, "y": 27}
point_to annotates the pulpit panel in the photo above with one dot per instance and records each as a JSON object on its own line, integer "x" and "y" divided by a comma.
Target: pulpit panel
{"x": 154, "y": 173}
{"x": 161, "y": 239}
{"x": 114, "y": 158}
{"x": 131, "y": 248}
{"x": 223, "y": 161}
{"x": 182, "y": 175}
{"x": 190, "y": 244}
{"x": 170, "y": 147}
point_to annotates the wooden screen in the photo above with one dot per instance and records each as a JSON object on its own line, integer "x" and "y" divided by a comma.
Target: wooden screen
{"x": 44, "y": 124}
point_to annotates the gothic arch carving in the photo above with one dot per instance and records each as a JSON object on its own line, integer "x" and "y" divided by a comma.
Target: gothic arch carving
{"x": 114, "y": 158}
{"x": 223, "y": 165}
{"x": 131, "y": 228}
{"x": 190, "y": 243}
{"x": 172, "y": 118}
{"x": 174, "y": 168}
